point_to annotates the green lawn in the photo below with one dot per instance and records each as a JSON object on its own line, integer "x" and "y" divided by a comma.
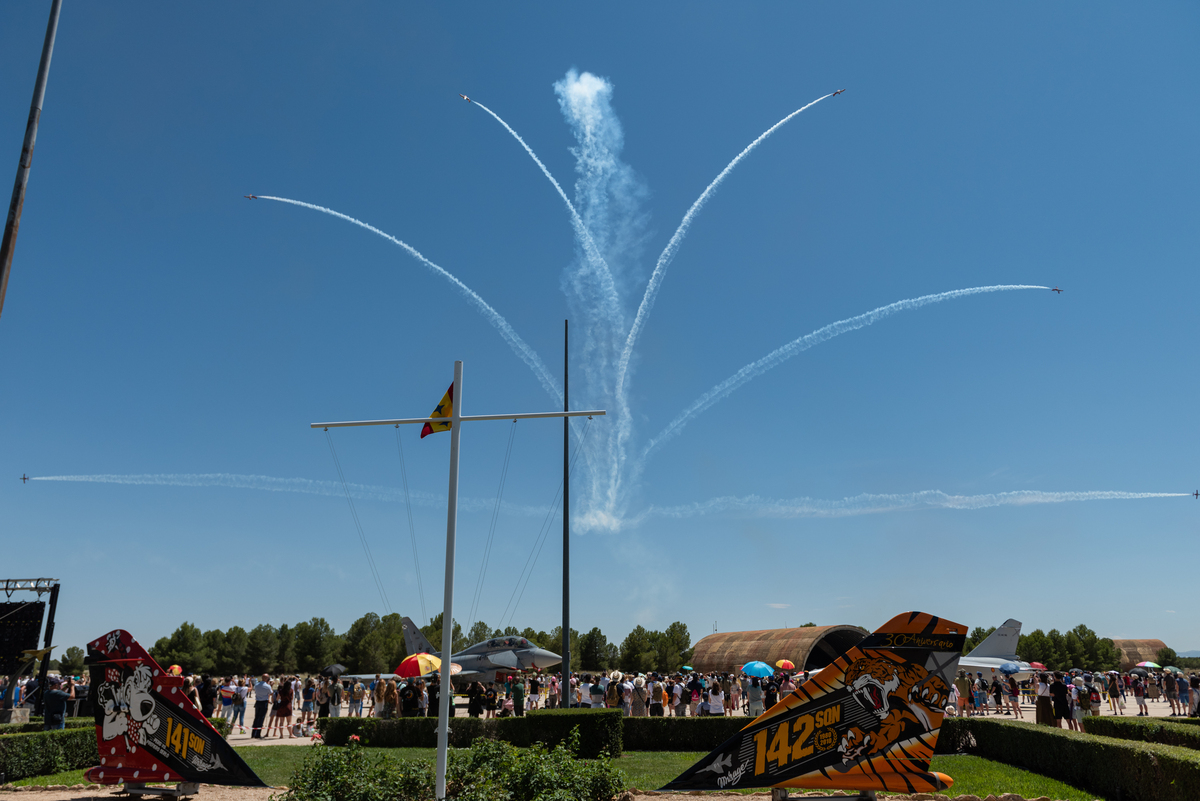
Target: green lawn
{"x": 649, "y": 770}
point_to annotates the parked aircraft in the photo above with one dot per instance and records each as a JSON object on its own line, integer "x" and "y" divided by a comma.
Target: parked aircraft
{"x": 481, "y": 661}
{"x": 997, "y": 655}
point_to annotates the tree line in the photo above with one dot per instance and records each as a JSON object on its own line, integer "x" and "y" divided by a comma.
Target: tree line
{"x": 375, "y": 644}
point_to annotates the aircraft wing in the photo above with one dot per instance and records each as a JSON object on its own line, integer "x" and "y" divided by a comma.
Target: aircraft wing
{"x": 868, "y": 721}
{"x": 506, "y": 659}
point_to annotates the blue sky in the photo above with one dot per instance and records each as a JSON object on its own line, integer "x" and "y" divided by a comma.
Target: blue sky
{"x": 158, "y": 323}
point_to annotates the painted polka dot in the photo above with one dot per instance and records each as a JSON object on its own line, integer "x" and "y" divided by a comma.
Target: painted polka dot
{"x": 156, "y": 673}
{"x": 173, "y": 689}
{"x": 103, "y": 760}
{"x": 158, "y": 689}
{"x": 101, "y": 774}
{"x": 154, "y": 766}
{"x": 135, "y": 773}
{"x": 165, "y": 776}
{"x": 120, "y": 764}
{"x": 114, "y": 750}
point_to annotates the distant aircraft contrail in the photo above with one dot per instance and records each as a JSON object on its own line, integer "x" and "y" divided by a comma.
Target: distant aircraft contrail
{"x": 756, "y": 506}
{"x": 603, "y": 273}
{"x": 305, "y": 486}
{"x": 519, "y": 346}
{"x": 801, "y": 344}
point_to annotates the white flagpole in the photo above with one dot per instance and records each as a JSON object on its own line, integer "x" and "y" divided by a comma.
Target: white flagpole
{"x": 446, "y": 697}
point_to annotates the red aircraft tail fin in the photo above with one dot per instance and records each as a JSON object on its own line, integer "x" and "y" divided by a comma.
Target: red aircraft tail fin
{"x": 868, "y": 721}
{"x": 146, "y": 730}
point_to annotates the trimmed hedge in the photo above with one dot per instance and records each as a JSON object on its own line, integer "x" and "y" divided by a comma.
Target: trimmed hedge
{"x": 1149, "y": 730}
{"x": 25, "y": 755}
{"x": 599, "y": 730}
{"x": 1110, "y": 767}
{"x": 36, "y": 726}
{"x": 680, "y": 734}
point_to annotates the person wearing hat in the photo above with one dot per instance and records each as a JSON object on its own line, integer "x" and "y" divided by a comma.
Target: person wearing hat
{"x": 55, "y": 703}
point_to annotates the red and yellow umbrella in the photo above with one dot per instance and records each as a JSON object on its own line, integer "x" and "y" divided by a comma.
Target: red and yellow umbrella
{"x": 423, "y": 665}
{"x": 785, "y": 664}
{"x": 175, "y": 670}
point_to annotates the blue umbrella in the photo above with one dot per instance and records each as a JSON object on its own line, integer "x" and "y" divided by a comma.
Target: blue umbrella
{"x": 1009, "y": 668}
{"x": 760, "y": 669}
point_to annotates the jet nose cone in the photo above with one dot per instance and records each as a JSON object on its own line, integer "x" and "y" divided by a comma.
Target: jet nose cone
{"x": 543, "y": 658}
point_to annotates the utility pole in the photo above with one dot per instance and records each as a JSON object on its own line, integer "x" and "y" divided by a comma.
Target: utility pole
{"x": 13, "y": 222}
{"x": 565, "y": 689}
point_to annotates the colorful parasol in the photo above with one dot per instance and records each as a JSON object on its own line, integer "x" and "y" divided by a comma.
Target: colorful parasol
{"x": 419, "y": 665}
{"x": 175, "y": 670}
{"x": 1148, "y": 665}
{"x": 785, "y": 664}
{"x": 760, "y": 669}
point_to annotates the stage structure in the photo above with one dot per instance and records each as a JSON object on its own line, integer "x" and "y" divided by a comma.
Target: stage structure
{"x": 20, "y": 624}
{"x": 451, "y": 419}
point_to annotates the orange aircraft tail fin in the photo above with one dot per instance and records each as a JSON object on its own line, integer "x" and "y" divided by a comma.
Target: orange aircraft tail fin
{"x": 868, "y": 721}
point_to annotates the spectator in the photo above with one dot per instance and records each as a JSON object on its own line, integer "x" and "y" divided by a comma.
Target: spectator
{"x": 1044, "y": 711}
{"x": 307, "y": 695}
{"x": 754, "y": 696}
{"x": 639, "y": 702}
{"x": 963, "y": 685}
{"x": 518, "y": 696}
{"x": 1114, "y": 694}
{"x": 54, "y": 709}
{"x": 1061, "y": 698}
{"x": 1139, "y": 696}
{"x": 241, "y": 691}
{"x": 408, "y": 700}
{"x": 262, "y": 701}
{"x": 1014, "y": 698}
{"x": 227, "y": 691}
{"x": 358, "y": 694}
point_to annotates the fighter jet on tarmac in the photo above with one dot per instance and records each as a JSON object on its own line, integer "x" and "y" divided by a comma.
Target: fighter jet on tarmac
{"x": 481, "y": 661}
{"x": 1056, "y": 289}
{"x": 464, "y": 97}
{"x": 250, "y": 197}
{"x": 838, "y": 92}
{"x": 997, "y": 655}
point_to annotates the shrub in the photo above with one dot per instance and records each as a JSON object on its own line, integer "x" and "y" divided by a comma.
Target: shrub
{"x": 222, "y": 725}
{"x": 36, "y": 726}
{"x": 1103, "y": 765}
{"x": 1149, "y": 730}
{"x": 679, "y": 734}
{"x": 24, "y": 755}
{"x": 600, "y": 731}
{"x": 488, "y": 770}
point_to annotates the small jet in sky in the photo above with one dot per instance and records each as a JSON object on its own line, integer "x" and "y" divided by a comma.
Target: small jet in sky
{"x": 838, "y": 92}
{"x": 250, "y": 197}
{"x": 24, "y": 478}
{"x": 464, "y": 97}
{"x": 1197, "y": 494}
{"x": 1056, "y": 289}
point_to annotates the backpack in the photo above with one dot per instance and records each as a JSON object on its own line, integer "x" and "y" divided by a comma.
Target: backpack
{"x": 1094, "y": 694}
{"x": 359, "y": 692}
{"x": 613, "y": 698}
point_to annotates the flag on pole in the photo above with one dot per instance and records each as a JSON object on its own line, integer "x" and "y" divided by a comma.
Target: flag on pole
{"x": 443, "y": 410}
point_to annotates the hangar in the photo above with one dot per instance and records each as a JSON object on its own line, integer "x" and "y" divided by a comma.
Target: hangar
{"x": 1134, "y": 651}
{"x": 808, "y": 647}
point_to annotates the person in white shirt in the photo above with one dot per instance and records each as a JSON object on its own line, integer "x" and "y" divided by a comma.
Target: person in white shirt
{"x": 716, "y": 701}
{"x": 585, "y": 693}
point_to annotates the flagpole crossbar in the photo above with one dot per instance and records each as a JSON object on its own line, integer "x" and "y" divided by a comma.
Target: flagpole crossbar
{"x": 465, "y": 418}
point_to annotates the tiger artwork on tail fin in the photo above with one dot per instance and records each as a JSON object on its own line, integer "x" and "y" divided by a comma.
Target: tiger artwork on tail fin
{"x": 868, "y": 721}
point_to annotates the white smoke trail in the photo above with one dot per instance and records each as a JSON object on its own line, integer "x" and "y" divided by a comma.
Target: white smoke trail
{"x": 523, "y": 351}
{"x": 755, "y": 506}
{"x": 664, "y": 259}
{"x": 801, "y": 344}
{"x": 608, "y": 195}
{"x": 305, "y": 486}
{"x": 600, "y": 267}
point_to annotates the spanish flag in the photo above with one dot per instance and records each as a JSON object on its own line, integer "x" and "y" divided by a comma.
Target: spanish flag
{"x": 443, "y": 410}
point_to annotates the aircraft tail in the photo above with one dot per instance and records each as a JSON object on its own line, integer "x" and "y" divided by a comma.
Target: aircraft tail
{"x": 414, "y": 640}
{"x": 145, "y": 731}
{"x": 1001, "y": 643}
{"x": 868, "y": 721}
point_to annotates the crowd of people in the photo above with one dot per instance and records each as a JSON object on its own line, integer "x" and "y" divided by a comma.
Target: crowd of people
{"x": 287, "y": 706}
{"x": 60, "y": 690}
{"x": 1071, "y": 696}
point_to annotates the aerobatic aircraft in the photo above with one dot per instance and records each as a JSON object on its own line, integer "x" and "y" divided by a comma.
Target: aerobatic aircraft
{"x": 24, "y": 479}
{"x": 869, "y": 721}
{"x": 250, "y": 197}
{"x": 838, "y": 92}
{"x": 1056, "y": 289}
{"x": 464, "y": 97}
{"x": 1197, "y": 494}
